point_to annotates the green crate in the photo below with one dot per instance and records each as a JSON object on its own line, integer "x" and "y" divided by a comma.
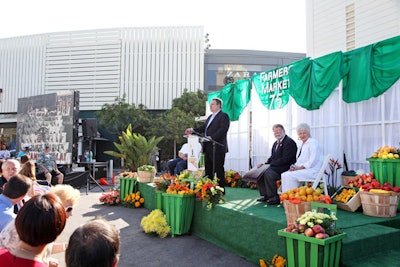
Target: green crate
{"x": 159, "y": 200}
{"x": 178, "y": 209}
{"x": 304, "y": 251}
{"x": 127, "y": 186}
{"x": 385, "y": 170}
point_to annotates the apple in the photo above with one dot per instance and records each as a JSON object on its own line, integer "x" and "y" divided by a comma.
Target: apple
{"x": 309, "y": 232}
{"x": 301, "y": 228}
{"x": 318, "y": 229}
{"x": 291, "y": 226}
{"x": 321, "y": 236}
{"x": 295, "y": 231}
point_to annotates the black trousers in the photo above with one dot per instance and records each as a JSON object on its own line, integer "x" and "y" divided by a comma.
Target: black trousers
{"x": 217, "y": 163}
{"x": 267, "y": 184}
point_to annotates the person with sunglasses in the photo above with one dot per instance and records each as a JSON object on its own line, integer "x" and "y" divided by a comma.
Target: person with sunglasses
{"x": 69, "y": 197}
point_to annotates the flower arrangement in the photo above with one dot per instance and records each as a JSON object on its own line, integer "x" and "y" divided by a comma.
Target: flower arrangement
{"x": 156, "y": 223}
{"x": 179, "y": 187}
{"x": 315, "y": 224}
{"x": 134, "y": 200}
{"x": 233, "y": 178}
{"x": 277, "y": 261}
{"x": 111, "y": 198}
{"x": 334, "y": 166}
{"x": 209, "y": 192}
{"x": 163, "y": 183}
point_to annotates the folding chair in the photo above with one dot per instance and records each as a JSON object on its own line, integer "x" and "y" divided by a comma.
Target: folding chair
{"x": 320, "y": 176}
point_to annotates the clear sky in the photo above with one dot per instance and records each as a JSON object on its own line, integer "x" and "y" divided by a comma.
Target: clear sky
{"x": 270, "y": 25}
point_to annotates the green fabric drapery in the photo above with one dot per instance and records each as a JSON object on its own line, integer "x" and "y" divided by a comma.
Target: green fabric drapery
{"x": 272, "y": 87}
{"x": 235, "y": 97}
{"x": 312, "y": 81}
{"x": 371, "y": 70}
{"x": 366, "y": 72}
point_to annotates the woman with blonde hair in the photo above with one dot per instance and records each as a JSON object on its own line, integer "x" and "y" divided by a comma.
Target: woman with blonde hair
{"x": 69, "y": 197}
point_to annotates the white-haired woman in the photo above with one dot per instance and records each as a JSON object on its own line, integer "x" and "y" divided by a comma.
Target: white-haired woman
{"x": 309, "y": 159}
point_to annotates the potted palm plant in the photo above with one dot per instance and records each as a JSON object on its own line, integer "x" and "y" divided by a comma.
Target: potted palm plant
{"x": 135, "y": 149}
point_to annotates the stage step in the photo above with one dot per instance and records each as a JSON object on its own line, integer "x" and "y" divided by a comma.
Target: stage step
{"x": 389, "y": 257}
{"x": 368, "y": 241}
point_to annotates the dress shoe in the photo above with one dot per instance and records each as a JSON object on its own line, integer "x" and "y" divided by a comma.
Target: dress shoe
{"x": 273, "y": 202}
{"x": 262, "y": 199}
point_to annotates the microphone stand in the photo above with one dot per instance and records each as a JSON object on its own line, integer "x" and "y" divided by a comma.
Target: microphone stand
{"x": 214, "y": 143}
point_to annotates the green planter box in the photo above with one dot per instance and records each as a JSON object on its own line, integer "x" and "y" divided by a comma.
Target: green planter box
{"x": 127, "y": 186}
{"x": 159, "y": 200}
{"x": 305, "y": 251}
{"x": 385, "y": 170}
{"x": 178, "y": 209}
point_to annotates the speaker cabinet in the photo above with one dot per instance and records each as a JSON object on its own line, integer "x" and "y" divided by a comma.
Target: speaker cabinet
{"x": 89, "y": 127}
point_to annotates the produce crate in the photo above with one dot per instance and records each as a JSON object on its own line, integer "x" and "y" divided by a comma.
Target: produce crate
{"x": 353, "y": 204}
{"x": 385, "y": 170}
{"x": 346, "y": 178}
{"x": 159, "y": 200}
{"x": 146, "y": 176}
{"x": 380, "y": 204}
{"x": 294, "y": 211}
{"x": 179, "y": 210}
{"x": 127, "y": 186}
{"x": 302, "y": 250}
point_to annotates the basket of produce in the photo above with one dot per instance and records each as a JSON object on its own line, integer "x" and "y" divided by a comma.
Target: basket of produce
{"x": 379, "y": 203}
{"x": 298, "y": 200}
{"x": 347, "y": 198}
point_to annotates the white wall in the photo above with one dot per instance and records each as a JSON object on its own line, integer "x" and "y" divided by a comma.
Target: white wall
{"x": 152, "y": 66}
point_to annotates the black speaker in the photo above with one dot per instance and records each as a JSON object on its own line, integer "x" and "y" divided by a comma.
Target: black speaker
{"x": 89, "y": 127}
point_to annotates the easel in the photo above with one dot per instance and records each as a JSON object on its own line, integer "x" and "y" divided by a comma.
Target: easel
{"x": 90, "y": 177}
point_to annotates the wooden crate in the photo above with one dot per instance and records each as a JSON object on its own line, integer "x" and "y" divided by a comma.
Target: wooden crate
{"x": 294, "y": 211}
{"x": 352, "y": 205}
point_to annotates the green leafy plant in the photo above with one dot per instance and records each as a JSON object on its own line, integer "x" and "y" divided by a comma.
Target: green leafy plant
{"x": 135, "y": 149}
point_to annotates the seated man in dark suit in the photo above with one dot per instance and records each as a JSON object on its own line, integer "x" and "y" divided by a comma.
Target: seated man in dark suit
{"x": 283, "y": 155}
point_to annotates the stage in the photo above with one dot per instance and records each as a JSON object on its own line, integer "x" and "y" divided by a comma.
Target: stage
{"x": 249, "y": 229}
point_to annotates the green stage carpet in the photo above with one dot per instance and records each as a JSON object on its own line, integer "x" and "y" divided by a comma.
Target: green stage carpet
{"x": 249, "y": 229}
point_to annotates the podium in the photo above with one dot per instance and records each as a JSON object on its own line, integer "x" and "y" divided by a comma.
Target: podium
{"x": 194, "y": 154}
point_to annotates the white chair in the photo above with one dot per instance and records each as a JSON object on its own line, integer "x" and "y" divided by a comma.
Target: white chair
{"x": 320, "y": 178}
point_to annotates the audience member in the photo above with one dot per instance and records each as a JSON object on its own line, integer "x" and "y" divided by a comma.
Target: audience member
{"x": 4, "y": 154}
{"x": 24, "y": 158}
{"x": 96, "y": 243}
{"x": 24, "y": 151}
{"x": 9, "y": 168}
{"x": 309, "y": 159}
{"x": 14, "y": 191}
{"x": 39, "y": 222}
{"x": 215, "y": 129}
{"x": 28, "y": 169}
{"x": 69, "y": 197}
{"x": 283, "y": 155}
{"x": 48, "y": 167}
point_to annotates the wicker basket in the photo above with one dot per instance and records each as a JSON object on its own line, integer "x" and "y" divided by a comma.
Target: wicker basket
{"x": 294, "y": 211}
{"x": 379, "y": 204}
{"x": 146, "y": 176}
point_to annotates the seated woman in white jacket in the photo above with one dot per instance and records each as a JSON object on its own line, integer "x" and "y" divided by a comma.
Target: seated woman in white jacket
{"x": 309, "y": 160}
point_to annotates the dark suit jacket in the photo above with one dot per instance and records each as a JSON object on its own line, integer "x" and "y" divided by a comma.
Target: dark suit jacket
{"x": 217, "y": 129}
{"x": 284, "y": 156}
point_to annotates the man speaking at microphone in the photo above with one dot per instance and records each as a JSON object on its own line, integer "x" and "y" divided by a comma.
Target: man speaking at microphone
{"x": 215, "y": 130}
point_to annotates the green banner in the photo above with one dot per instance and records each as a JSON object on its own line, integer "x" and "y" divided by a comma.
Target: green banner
{"x": 235, "y": 97}
{"x": 272, "y": 87}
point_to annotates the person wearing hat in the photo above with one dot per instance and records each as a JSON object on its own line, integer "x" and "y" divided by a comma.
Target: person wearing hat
{"x": 48, "y": 167}
{"x": 24, "y": 151}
